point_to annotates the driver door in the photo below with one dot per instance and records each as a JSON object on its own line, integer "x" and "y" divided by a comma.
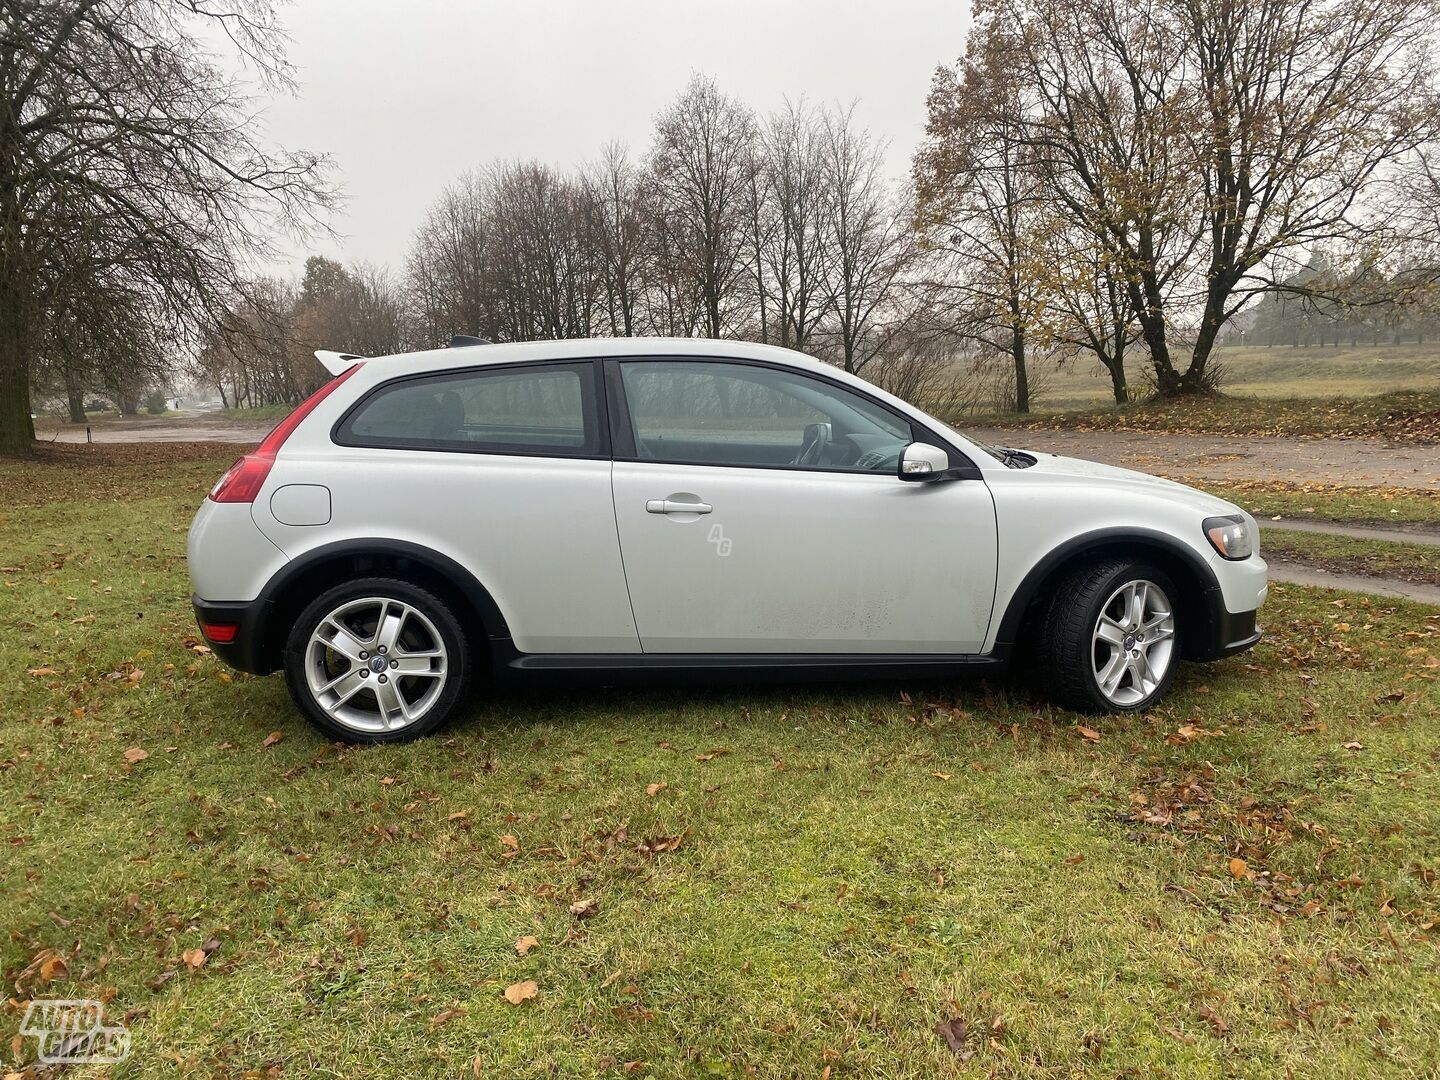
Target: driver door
{"x": 759, "y": 511}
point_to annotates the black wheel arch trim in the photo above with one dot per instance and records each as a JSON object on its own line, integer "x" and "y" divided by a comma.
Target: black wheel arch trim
{"x": 257, "y": 647}
{"x": 1207, "y": 640}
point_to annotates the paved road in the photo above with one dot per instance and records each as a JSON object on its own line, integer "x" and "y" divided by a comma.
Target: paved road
{"x": 198, "y": 428}
{"x": 1301, "y": 574}
{"x": 1352, "y": 462}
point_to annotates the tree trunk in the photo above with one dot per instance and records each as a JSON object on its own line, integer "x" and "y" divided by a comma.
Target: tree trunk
{"x": 17, "y": 430}
{"x": 1022, "y": 379}
{"x": 75, "y": 399}
{"x": 1116, "y": 365}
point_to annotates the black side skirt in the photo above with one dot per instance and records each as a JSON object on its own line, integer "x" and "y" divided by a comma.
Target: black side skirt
{"x": 731, "y": 668}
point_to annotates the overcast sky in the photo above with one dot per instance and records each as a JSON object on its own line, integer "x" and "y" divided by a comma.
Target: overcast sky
{"x": 408, "y": 94}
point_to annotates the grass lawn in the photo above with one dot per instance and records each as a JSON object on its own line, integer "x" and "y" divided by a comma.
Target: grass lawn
{"x": 784, "y": 882}
{"x": 1350, "y": 555}
{"x": 1275, "y": 499}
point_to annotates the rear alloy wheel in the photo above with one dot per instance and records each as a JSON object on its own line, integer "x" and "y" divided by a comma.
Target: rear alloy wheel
{"x": 377, "y": 660}
{"x": 1109, "y": 641}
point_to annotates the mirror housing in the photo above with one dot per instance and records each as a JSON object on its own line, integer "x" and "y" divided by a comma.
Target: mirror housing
{"x": 922, "y": 462}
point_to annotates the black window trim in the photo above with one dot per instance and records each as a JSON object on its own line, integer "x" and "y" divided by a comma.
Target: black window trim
{"x": 622, "y": 427}
{"x": 592, "y": 403}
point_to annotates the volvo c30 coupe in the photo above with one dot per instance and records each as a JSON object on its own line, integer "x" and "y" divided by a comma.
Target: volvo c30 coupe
{"x": 624, "y": 509}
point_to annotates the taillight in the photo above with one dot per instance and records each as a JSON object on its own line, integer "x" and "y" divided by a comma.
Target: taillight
{"x": 243, "y": 481}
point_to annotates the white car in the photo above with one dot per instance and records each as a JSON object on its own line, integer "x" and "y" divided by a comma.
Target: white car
{"x": 630, "y": 508}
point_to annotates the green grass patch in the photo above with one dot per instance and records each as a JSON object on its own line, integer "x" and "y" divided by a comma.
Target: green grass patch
{"x": 1352, "y": 555}
{"x": 261, "y": 412}
{"x": 1334, "y": 502}
{"x": 1243, "y": 882}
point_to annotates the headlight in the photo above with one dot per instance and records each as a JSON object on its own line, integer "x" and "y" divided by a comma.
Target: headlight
{"x": 1230, "y": 536}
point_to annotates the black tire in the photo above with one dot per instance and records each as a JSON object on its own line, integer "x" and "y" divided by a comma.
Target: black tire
{"x": 1066, "y": 651}
{"x": 350, "y": 722}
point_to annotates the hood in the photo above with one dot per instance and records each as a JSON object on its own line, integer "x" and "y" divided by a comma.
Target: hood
{"x": 1057, "y": 466}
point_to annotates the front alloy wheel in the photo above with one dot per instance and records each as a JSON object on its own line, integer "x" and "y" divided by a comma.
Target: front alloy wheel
{"x": 376, "y": 661}
{"x": 1133, "y": 643}
{"x": 1109, "y": 640}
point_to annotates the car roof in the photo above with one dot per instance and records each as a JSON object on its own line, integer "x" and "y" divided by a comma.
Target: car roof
{"x": 589, "y": 348}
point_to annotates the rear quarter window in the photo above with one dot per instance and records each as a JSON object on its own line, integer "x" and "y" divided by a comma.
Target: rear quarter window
{"x": 547, "y": 410}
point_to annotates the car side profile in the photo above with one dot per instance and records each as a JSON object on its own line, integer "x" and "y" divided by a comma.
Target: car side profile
{"x": 624, "y": 509}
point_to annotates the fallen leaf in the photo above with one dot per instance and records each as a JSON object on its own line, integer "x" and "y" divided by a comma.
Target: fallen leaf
{"x": 53, "y": 968}
{"x": 41, "y": 672}
{"x": 273, "y": 738}
{"x": 1088, "y": 733}
{"x": 654, "y": 789}
{"x": 1238, "y": 868}
{"x": 524, "y": 944}
{"x": 510, "y": 842}
{"x": 583, "y": 909}
{"x": 135, "y": 755}
{"x": 956, "y": 1034}
{"x": 1212, "y": 1018}
{"x": 195, "y": 958}
{"x": 1354, "y": 746}
{"x": 445, "y": 1015}
{"x": 515, "y": 993}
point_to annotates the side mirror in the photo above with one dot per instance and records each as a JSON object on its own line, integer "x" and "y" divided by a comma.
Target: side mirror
{"x": 921, "y": 461}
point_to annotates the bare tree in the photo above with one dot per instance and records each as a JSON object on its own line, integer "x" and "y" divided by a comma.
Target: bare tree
{"x": 979, "y": 208}
{"x": 116, "y": 124}
{"x": 792, "y": 207}
{"x": 869, "y": 240}
{"x": 615, "y": 201}
{"x": 1210, "y": 146}
{"x": 699, "y": 169}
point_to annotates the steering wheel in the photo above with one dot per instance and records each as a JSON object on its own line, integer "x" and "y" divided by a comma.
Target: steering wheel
{"x": 813, "y": 445}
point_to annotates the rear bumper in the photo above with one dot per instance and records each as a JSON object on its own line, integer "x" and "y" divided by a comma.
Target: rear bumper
{"x": 244, "y": 652}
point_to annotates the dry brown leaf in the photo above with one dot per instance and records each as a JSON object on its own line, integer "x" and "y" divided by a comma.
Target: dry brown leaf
{"x": 1238, "y": 867}
{"x": 41, "y": 672}
{"x": 1087, "y": 733}
{"x": 273, "y": 738}
{"x": 510, "y": 842}
{"x": 654, "y": 789}
{"x": 195, "y": 958}
{"x": 53, "y": 968}
{"x": 583, "y": 909}
{"x": 524, "y": 944}
{"x": 515, "y": 993}
{"x": 956, "y": 1034}
{"x": 445, "y": 1015}
{"x": 135, "y": 755}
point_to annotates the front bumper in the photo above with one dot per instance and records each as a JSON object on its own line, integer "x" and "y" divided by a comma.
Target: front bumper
{"x": 1230, "y": 633}
{"x": 244, "y": 652}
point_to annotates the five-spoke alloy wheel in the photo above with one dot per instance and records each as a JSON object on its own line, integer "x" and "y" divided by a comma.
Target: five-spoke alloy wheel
{"x": 377, "y": 660}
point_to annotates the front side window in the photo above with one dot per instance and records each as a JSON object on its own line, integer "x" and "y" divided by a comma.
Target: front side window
{"x": 712, "y": 413}
{"x": 542, "y": 410}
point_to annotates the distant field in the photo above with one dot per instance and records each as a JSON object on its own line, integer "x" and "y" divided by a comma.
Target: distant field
{"x": 1279, "y": 372}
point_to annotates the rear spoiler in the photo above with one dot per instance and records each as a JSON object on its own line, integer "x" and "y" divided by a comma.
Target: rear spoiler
{"x": 336, "y": 362}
